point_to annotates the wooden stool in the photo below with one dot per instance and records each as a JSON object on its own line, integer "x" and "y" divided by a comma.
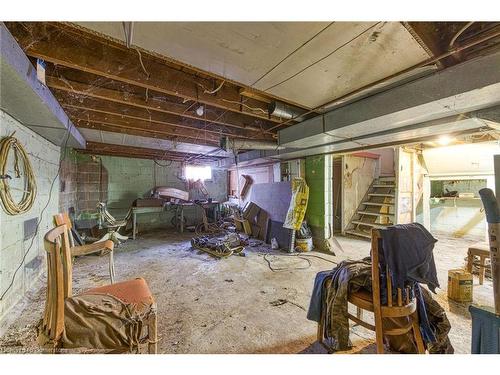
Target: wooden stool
{"x": 481, "y": 250}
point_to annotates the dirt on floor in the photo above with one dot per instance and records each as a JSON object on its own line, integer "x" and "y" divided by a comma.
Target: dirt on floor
{"x": 234, "y": 305}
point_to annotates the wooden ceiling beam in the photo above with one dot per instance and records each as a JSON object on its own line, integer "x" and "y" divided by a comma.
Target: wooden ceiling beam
{"x": 140, "y": 152}
{"x": 113, "y": 124}
{"x": 141, "y": 133}
{"x": 92, "y": 54}
{"x": 437, "y": 36}
{"x": 139, "y": 124}
{"x": 82, "y": 106}
{"x": 214, "y": 116}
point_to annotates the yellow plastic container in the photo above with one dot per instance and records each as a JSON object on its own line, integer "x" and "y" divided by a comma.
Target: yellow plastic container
{"x": 303, "y": 245}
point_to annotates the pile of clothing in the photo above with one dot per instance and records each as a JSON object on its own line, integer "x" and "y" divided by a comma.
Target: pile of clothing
{"x": 406, "y": 250}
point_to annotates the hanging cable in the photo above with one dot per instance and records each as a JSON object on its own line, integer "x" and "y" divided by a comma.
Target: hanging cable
{"x": 214, "y": 91}
{"x": 460, "y": 32}
{"x": 35, "y": 235}
{"x": 29, "y": 192}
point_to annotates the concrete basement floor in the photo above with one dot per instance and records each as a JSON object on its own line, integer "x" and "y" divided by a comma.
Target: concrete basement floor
{"x": 207, "y": 305}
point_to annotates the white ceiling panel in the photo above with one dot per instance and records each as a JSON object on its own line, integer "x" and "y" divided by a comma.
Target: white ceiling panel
{"x": 266, "y": 53}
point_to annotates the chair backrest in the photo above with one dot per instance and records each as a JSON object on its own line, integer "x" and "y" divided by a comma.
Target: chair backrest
{"x": 59, "y": 285}
{"x": 376, "y": 280}
{"x": 106, "y": 217}
{"x": 64, "y": 219}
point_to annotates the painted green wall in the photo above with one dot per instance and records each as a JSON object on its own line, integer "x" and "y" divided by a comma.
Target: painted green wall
{"x": 315, "y": 179}
{"x": 319, "y": 214}
{"x": 132, "y": 178}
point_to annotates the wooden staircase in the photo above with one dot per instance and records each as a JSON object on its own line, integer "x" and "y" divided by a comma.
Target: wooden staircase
{"x": 376, "y": 210}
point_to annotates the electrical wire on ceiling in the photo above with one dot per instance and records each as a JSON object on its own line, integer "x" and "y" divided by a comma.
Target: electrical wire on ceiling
{"x": 460, "y": 32}
{"x": 142, "y": 64}
{"x": 245, "y": 105}
{"x": 291, "y": 53}
{"x": 429, "y": 61}
{"x": 214, "y": 91}
{"x": 322, "y": 58}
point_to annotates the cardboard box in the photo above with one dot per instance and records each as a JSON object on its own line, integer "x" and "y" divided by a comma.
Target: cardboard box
{"x": 460, "y": 285}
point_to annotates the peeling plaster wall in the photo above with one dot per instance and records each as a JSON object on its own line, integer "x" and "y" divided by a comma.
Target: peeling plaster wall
{"x": 405, "y": 207}
{"x": 44, "y": 157}
{"x": 358, "y": 174}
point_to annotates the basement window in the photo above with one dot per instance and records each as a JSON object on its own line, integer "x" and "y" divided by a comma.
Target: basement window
{"x": 197, "y": 172}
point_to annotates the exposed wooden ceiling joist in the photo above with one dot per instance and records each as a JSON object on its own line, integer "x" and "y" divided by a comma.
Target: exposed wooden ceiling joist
{"x": 212, "y": 115}
{"x": 98, "y": 120}
{"x": 58, "y": 44}
{"x": 441, "y": 37}
{"x": 141, "y": 152}
{"x": 80, "y": 106}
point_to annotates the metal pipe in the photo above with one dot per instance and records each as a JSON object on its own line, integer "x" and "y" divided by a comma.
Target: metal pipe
{"x": 228, "y": 144}
{"x": 128, "y": 30}
{"x": 285, "y": 111}
{"x": 419, "y": 65}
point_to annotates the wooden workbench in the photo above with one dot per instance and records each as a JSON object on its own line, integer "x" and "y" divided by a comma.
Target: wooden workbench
{"x": 179, "y": 212}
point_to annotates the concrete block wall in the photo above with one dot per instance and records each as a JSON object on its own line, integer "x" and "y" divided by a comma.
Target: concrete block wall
{"x": 44, "y": 157}
{"x": 68, "y": 197}
{"x": 126, "y": 179}
{"x": 92, "y": 185}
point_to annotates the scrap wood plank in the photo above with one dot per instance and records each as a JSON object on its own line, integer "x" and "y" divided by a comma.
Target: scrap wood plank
{"x": 245, "y": 182}
{"x": 263, "y": 222}
{"x": 251, "y": 211}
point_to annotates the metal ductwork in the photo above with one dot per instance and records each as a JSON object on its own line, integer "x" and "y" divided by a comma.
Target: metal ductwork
{"x": 285, "y": 111}
{"x": 229, "y": 144}
{"x": 444, "y": 102}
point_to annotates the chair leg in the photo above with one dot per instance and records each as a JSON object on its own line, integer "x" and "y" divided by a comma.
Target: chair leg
{"x": 482, "y": 269}
{"x": 153, "y": 333}
{"x": 470, "y": 261}
{"x": 416, "y": 333}
{"x": 111, "y": 267}
{"x": 379, "y": 331}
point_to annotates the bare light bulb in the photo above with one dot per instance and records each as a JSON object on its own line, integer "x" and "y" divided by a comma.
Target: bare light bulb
{"x": 199, "y": 111}
{"x": 444, "y": 140}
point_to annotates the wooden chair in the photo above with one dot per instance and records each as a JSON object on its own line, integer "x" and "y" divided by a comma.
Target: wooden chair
{"x": 481, "y": 250}
{"x": 102, "y": 247}
{"x": 108, "y": 221}
{"x": 59, "y": 289}
{"x": 400, "y": 308}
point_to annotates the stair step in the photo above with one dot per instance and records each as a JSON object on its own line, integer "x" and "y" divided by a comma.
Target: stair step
{"x": 384, "y": 186}
{"x": 373, "y": 213}
{"x": 381, "y": 195}
{"x": 358, "y": 233}
{"x": 374, "y": 225}
{"x": 386, "y": 178}
{"x": 391, "y": 204}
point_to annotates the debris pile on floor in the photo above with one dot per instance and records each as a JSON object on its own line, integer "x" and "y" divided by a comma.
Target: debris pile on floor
{"x": 220, "y": 245}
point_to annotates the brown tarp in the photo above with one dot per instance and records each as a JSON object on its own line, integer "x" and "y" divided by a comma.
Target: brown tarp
{"x": 102, "y": 321}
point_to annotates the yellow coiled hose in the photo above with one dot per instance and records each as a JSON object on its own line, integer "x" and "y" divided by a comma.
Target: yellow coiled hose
{"x": 29, "y": 191}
